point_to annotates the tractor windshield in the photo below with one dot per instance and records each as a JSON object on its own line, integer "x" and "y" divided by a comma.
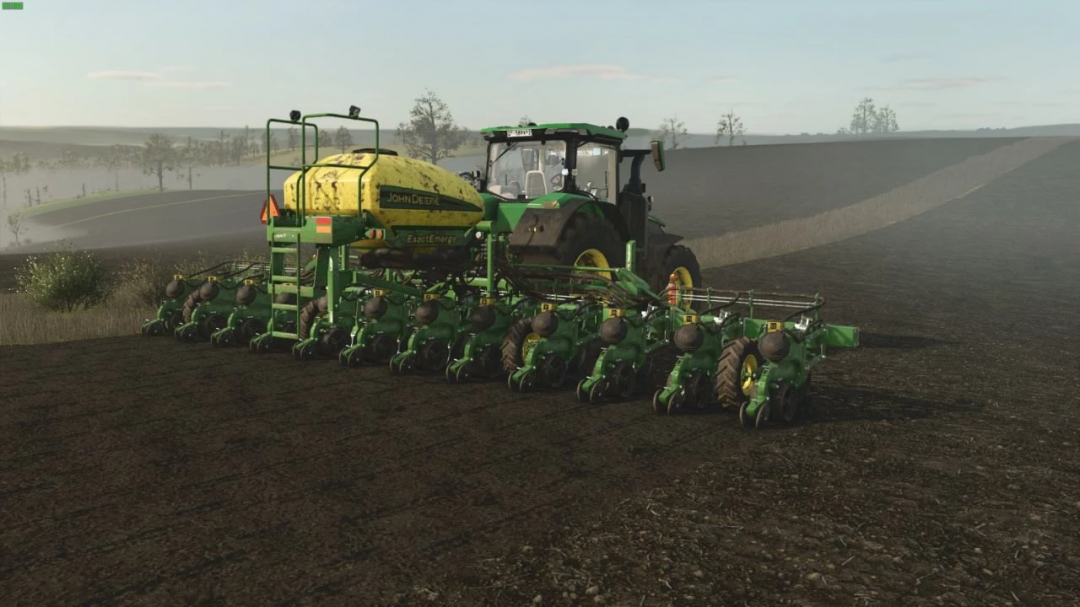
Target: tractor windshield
{"x": 524, "y": 170}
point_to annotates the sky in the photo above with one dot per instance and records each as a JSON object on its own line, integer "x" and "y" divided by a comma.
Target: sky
{"x": 783, "y": 66}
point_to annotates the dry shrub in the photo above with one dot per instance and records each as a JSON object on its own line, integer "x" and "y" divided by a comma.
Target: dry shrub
{"x": 65, "y": 280}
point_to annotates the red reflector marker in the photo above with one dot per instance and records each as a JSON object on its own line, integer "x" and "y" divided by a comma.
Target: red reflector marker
{"x": 324, "y": 221}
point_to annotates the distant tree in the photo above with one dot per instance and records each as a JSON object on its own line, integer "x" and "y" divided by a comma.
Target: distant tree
{"x": 730, "y": 126}
{"x": 223, "y": 146}
{"x": 671, "y": 130}
{"x": 17, "y": 165}
{"x": 524, "y": 120}
{"x": 270, "y": 143}
{"x": 343, "y": 138}
{"x": 158, "y": 157}
{"x": 114, "y": 158}
{"x": 70, "y": 159}
{"x": 15, "y": 225}
{"x": 431, "y": 133}
{"x": 293, "y": 138}
{"x": 325, "y": 141}
{"x": 842, "y": 131}
{"x": 885, "y": 121}
{"x": 862, "y": 121}
{"x": 188, "y": 157}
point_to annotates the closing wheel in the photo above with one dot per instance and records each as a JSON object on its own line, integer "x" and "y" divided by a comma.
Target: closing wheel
{"x": 699, "y": 390}
{"x": 554, "y": 370}
{"x": 676, "y": 401}
{"x": 489, "y": 362}
{"x": 744, "y": 421}
{"x": 580, "y": 392}
{"x": 658, "y": 407}
{"x": 625, "y": 379}
{"x": 433, "y": 355}
{"x": 762, "y": 415}
{"x": 173, "y": 320}
{"x": 596, "y": 393}
{"x": 381, "y": 348}
{"x": 210, "y": 324}
{"x": 304, "y": 350}
{"x": 351, "y": 358}
{"x": 187, "y": 333}
{"x": 223, "y": 338}
{"x": 524, "y": 383}
{"x": 787, "y": 401}
{"x": 461, "y": 375}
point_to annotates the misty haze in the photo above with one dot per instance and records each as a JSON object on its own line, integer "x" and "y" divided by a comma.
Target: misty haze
{"x": 573, "y": 303}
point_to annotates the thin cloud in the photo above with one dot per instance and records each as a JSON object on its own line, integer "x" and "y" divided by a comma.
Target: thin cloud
{"x": 599, "y": 71}
{"x": 190, "y": 85}
{"x": 937, "y": 84}
{"x": 723, "y": 80}
{"x": 121, "y": 75}
{"x": 175, "y": 68}
{"x": 903, "y": 57}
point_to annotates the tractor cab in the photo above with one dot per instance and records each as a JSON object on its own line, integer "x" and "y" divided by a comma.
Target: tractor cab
{"x": 531, "y": 162}
{"x": 541, "y": 177}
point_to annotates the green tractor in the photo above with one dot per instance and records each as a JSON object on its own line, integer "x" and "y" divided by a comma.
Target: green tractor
{"x": 563, "y": 197}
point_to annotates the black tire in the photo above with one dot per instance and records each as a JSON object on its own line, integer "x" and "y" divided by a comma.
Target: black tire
{"x": 581, "y": 233}
{"x": 513, "y": 341}
{"x": 728, "y": 372}
{"x": 308, "y": 314}
{"x": 660, "y": 263}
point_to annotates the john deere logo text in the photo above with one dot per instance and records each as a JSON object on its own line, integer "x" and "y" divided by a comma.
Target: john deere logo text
{"x": 398, "y": 198}
{"x": 402, "y": 198}
{"x": 429, "y": 239}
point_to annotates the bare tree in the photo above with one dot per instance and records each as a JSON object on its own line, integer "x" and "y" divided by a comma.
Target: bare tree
{"x": 430, "y": 133}
{"x": 270, "y": 143}
{"x": 19, "y": 164}
{"x": 885, "y": 121}
{"x": 325, "y": 140}
{"x": 188, "y": 157}
{"x": 343, "y": 138}
{"x": 159, "y": 156}
{"x": 293, "y": 138}
{"x": 862, "y": 121}
{"x": 15, "y": 226}
{"x": 730, "y": 126}
{"x": 524, "y": 120}
{"x": 671, "y": 130}
{"x": 114, "y": 158}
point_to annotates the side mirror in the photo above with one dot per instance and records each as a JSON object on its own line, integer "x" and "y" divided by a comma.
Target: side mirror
{"x": 658, "y": 155}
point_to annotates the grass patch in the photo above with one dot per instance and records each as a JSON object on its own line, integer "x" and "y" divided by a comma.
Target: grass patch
{"x": 26, "y": 323}
{"x": 135, "y": 291}
{"x": 68, "y": 203}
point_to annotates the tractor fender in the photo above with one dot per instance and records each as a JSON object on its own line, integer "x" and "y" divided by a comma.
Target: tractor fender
{"x": 539, "y": 229}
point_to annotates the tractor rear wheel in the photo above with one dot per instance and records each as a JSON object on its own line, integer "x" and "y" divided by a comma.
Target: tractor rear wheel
{"x": 586, "y": 240}
{"x": 662, "y": 263}
{"x": 734, "y": 372}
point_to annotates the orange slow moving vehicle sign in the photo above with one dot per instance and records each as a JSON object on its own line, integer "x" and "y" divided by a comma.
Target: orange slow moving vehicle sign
{"x": 269, "y": 209}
